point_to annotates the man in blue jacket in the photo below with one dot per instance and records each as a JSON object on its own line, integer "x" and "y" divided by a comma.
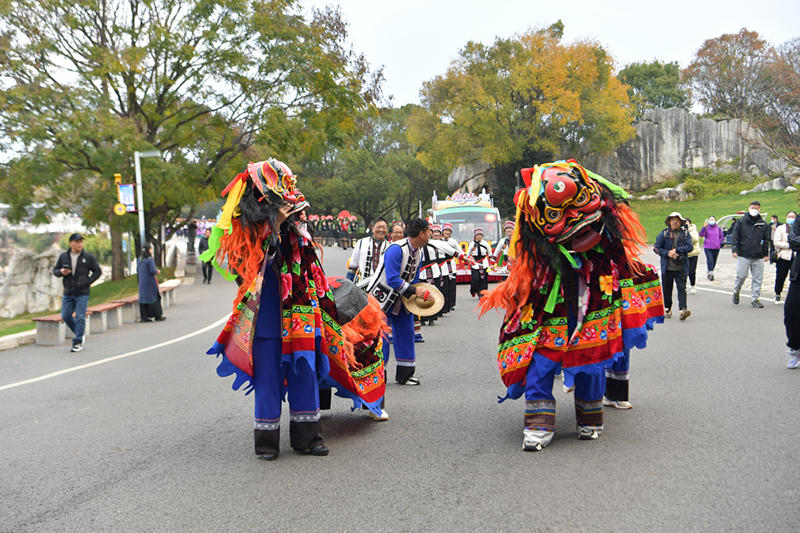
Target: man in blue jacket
{"x": 79, "y": 270}
{"x": 672, "y": 245}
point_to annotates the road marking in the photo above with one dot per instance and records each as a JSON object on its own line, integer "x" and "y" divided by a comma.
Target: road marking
{"x": 109, "y": 359}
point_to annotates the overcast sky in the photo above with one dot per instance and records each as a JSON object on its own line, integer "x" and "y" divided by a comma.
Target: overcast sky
{"x": 416, "y": 40}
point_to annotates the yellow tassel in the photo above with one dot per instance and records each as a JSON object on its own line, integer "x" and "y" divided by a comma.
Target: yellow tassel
{"x": 231, "y": 205}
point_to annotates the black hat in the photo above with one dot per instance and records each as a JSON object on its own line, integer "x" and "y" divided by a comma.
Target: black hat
{"x": 75, "y": 237}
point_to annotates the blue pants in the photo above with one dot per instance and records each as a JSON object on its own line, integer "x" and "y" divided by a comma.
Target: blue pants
{"x": 403, "y": 341}
{"x": 269, "y": 374}
{"x": 540, "y": 402}
{"x": 76, "y": 304}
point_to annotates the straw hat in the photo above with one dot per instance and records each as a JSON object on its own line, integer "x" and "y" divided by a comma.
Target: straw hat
{"x": 417, "y": 306}
{"x": 674, "y": 214}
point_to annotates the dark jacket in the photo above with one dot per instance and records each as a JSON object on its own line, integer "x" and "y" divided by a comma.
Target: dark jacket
{"x": 87, "y": 271}
{"x": 794, "y": 244}
{"x": 751, "y": 237}
{"x": 664, "y": 245}
{"x": 203, "y": 246}
{"x": 148, "y": 284}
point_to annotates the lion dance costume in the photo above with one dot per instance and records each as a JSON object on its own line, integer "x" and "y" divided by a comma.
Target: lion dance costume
{"x": 285, "y": 335}
{"x": 576, "y": 300}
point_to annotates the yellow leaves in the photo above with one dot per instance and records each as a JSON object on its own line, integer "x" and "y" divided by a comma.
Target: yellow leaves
{"x": 530, "y": 92}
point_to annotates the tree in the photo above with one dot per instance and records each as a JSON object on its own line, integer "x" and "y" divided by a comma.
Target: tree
{"x": 530, "y": 93}
{"x": 729, "y": 74}
{"x": 655, "y": 85}
{"x": 780, "y": 125}
{"x": 209, "y": 84}
{"x": 380, "y": 173}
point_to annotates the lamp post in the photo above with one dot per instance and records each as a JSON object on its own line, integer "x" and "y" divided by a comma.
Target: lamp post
{"x": 139, "y": 199}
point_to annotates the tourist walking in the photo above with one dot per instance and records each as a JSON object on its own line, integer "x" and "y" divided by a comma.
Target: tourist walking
{"x": 149, "y": 295}
{"x": 750, "y": 246}
{"x": 791, "y": 309}
{"x": 673, "y": 245}
{"x": 208, "y": 267}
{"x": 191, "y": 235}
{"x": 694, "y": 255}
{"x": 783, "y": 262}
{"x": 713, "y": 237}
{"x": 79, "y": 269}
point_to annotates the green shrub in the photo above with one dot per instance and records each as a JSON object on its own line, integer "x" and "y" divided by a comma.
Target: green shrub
{"x": 35, "y": 242}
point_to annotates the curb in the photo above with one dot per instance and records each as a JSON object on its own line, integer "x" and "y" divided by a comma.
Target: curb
{"x": 10, "y": 342}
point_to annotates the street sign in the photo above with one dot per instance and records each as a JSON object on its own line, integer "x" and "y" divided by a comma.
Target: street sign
{"x": 125, "y": 195}
{"x": 119, "y": 209}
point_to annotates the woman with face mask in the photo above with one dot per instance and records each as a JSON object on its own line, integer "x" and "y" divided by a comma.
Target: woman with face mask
{"x": 714, "y": 237}
{"x": 781, "y": 242}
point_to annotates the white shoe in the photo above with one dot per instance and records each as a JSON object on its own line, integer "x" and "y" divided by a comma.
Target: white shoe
{"x": 692, "y": 291}
{"x": 589, "y": 432}
{"x": 535, "y": 440}
{"x": 381, "y": 417}
{"x": 618, "y": 404}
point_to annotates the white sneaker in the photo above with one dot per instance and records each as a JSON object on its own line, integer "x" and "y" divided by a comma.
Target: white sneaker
{"x": 381, "y": 417}
{"x": 794, "y": 358}
{"x": 589, "y": 432}
{"x": 618, "y": 404}
{"x": 692, "y": 291}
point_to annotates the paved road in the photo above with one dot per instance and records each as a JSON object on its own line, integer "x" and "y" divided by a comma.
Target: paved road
{"x": 157, "y": 442}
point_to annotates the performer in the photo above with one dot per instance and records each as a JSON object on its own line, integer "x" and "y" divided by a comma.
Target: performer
{"x": 353, "y": 230}
{"x": 367, "y": 252}
{"x": 500, "y": 255}
{"x": 452, "y": 266}
{"x": 479, "y": 251}
{"x": 429, "y": 271}
{"x": 284, "y": 331}
{"x": 397, "y": 272}
{"x": 577, "y": 298}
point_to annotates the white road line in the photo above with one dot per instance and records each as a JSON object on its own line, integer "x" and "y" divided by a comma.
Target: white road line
{"x": 109, "y": 359}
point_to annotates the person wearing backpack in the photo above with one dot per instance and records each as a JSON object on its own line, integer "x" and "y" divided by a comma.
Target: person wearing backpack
{"x": 673, "y": 244}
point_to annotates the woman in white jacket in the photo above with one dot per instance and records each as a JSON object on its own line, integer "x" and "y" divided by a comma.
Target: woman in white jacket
{"x": 781, "y": 242}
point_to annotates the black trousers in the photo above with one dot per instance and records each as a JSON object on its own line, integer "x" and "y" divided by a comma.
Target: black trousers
{"x": 150, "y": 311}
{"x": 782, "y": 268}
{"x": 208, "y": 268}
{"x": 693, "y": 270}
{"x": 791, "y": 315}
{"x": 453, "y": 287}
{"x": 670, "y": 278}
{"x": 479, "y": 281}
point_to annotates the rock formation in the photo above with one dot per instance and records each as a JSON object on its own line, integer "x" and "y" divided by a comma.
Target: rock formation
{"x": 30, "y": 286}
{"x": 667, "y": 141}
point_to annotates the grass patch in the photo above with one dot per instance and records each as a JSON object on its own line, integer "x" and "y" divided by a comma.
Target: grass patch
{"x": 653, "y": 212}
{"x": 103, "y": 293}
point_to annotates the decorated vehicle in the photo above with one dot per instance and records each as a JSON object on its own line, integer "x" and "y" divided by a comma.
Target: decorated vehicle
{"x": 467, "y": 211}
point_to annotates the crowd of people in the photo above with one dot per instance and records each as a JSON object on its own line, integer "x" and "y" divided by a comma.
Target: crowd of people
{"x": 577, "y": 297}
{"x": 754, "y": 243}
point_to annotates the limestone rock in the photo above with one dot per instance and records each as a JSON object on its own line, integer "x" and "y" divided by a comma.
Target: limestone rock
{"x": 790, "y": 189}
{"x": 30, "y": 286}
{"x": 667, "y": 141}
{"x": 673, "y": 194}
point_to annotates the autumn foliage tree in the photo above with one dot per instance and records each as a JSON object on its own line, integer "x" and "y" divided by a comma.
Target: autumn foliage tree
{"x": 210, "y": 84}
{"x": 742, "y": 76}
{"x": 780, "y": 125}
{"x": 528, "y": 94}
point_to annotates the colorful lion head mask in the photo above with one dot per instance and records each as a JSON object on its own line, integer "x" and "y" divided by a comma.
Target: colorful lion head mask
{"x": 273, "y": 176}
{"x": 563, "y": 203}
